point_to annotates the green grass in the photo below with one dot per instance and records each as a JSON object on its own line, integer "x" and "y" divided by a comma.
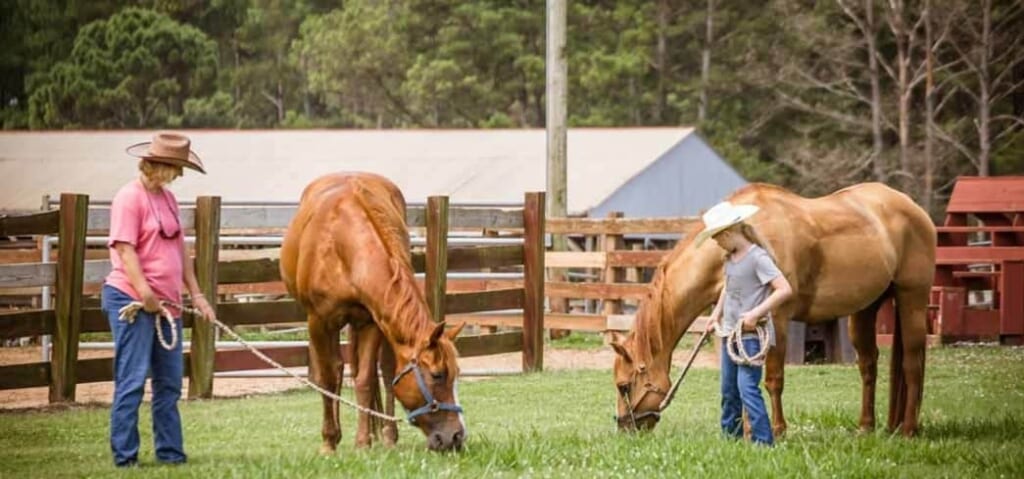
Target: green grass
{"x": 579, "y": 340}
{"x": 559, "y": 425}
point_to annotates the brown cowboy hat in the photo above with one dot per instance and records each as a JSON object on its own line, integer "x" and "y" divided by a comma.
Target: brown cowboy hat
{"x": 168, "y": 147}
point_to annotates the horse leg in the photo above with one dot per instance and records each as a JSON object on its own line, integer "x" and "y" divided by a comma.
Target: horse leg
{"x": 325, "y": 362}
{"x": 862, "y": 334}
{"x": 747, "y": 430}
{"x": 387, "y": 367}
{"x": 774, "y": 378}
{"x": 907, "y": 389}
{"x": 366, "y": 340}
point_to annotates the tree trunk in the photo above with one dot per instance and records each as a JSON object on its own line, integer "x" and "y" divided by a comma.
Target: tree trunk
{"x": 984, "y": 94}
{"x": 904, "y": 42}
{"x": 876, "y": 94}
{"x": 705, "y": 63}
{"x": 280, "y": 103}
{"x": 929, "y": 107}
{"x": 661, "y": 54}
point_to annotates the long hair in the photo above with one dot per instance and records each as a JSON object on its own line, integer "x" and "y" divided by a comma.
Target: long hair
{"x": 751, "y": 235}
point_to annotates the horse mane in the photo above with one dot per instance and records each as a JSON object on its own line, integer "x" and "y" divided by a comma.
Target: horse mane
{"x": 649, "y": 328}
{"x": 388, "y": 222}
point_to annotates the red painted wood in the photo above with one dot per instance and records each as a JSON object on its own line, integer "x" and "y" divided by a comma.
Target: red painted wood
{"x": 987, "y": 194}
{"x": 1011, "y": 301}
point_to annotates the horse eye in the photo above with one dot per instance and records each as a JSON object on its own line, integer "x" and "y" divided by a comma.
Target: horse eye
{"x": 438, "y": 376}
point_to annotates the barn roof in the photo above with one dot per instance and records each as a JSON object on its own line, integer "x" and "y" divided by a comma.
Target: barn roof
{"x": 275, "y": 165}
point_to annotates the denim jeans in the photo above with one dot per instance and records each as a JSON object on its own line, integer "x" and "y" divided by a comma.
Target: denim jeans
{"x": 740, "y": 390}
{"x": 136, "y": 353}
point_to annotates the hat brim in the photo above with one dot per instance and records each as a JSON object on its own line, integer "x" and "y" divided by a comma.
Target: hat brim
{"x": 141, "y": 150}
{"x": 742, "y": 213}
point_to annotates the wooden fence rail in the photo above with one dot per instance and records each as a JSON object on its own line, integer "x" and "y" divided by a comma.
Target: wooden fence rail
{"x": 208, "y": 220}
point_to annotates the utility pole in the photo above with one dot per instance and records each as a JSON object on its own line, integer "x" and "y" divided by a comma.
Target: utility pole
{"x": 556, "y": 90}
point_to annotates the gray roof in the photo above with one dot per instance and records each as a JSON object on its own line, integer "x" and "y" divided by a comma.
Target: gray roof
{"x": 468, "y": 165}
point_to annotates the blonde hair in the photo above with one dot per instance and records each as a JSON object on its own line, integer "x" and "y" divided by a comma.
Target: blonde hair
{"x": 751, "y": 234}
{"x": 159, "y": 173}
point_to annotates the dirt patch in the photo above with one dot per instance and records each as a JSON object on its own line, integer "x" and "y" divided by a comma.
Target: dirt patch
{"x": 101, "y": 393}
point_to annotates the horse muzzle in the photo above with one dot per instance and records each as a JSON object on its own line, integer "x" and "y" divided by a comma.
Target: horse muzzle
{"x": 446, "y": 441}
{"x": 641, "y": 421}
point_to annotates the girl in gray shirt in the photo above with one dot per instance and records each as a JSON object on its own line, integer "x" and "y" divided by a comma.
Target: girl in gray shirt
{"x": 753, "y": 286}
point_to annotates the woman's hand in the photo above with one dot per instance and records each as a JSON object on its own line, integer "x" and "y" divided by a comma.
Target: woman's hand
{"x": 199, "y": 301}
{"x": 150, "y": 303}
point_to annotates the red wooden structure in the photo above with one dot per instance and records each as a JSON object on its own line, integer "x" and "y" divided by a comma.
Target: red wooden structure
{"x": 979, "y": 276}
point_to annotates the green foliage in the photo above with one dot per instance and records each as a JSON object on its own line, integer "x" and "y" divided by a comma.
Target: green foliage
{"x": 135, "y": 69}
{"x": 214, "y": 111}
{"x": 788, "y": 83}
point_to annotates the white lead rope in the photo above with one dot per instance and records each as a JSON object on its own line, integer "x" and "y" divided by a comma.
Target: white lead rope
{"x": 129, "y": 312}
{"x": 738, "y": 354}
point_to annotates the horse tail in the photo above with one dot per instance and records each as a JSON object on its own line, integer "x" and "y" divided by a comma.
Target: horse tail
{"x": 897, "y": 380}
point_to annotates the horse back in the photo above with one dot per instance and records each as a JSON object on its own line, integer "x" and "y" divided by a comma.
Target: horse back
{"x": 844, "y": 250}
{"x": 343, "y": 219}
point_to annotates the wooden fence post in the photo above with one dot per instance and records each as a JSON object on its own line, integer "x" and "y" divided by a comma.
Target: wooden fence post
{"x": 436, "y": 281}
{"x": 74, "y": 214}
{"x": 207, "y": 248}
{"x": 533, "y": 282}
{"x": 609, "y": 243}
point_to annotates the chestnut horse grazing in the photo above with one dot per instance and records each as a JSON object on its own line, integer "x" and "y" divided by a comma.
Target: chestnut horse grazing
{"x": 844, "y": 254}
{"x": 346, "y": 259}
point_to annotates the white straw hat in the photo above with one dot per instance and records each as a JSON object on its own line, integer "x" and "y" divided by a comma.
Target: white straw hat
{"x": 721, "y": 217}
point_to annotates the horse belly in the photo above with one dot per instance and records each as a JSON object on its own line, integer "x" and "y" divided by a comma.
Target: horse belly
{"x": 851, "y": 276}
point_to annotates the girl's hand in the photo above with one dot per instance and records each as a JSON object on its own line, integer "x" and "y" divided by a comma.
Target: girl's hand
{"x": 712, "y": 322}
{"x": 749, "y": 320}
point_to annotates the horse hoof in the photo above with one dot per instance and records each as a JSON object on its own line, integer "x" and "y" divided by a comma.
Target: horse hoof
{"x": 363, "y": 444}
{"x": 327, "y": 450}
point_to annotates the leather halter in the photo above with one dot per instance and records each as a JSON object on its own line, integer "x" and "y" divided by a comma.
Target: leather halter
{"x": 631, "y": 405}
{"x": 432, "y": 405}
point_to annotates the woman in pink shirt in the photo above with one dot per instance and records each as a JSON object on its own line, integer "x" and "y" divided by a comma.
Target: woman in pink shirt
{"x": 149, "y": 265}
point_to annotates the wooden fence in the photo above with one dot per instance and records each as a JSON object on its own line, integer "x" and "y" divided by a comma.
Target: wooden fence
{"x": 208, "y": 220}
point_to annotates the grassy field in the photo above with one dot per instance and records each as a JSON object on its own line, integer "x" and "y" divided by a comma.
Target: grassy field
{"x": 559, "y": 425}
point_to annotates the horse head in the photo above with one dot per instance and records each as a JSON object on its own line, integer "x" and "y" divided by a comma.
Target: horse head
{"x": 641, "y": 383}
{"x": 684, "y": 284}
{"x": 427, "y": 386}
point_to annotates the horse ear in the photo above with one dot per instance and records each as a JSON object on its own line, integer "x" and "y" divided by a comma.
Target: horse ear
{"x": 453, "y": 333}
{"x": 436, "y": 334}
{"x": 616, "y": 343}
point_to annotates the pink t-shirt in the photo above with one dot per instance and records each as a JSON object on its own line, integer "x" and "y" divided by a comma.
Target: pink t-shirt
{"x": 135, "y": 218}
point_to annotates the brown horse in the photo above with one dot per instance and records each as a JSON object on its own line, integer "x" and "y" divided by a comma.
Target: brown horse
{"x": 346, "y": 259}
{"x": 844, "y": 254}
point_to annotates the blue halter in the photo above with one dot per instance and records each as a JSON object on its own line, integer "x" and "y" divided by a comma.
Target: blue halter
{"x": 432, "y": 404}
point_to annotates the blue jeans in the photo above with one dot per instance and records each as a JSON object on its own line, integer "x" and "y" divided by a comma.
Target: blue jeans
{"x": 740, "y": 389}
{"x": 136, "y": 352}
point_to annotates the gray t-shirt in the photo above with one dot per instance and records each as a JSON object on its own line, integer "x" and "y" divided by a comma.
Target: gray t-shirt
{"x": 747, "y": 284}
